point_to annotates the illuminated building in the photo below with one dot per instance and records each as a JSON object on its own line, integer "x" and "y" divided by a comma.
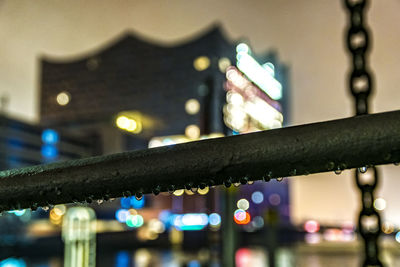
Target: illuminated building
{"x": 23, "y": 144}
{"x": 132, "y": 94}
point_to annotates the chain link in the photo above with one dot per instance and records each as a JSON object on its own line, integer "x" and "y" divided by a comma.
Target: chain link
{"x": 361, "y": 84}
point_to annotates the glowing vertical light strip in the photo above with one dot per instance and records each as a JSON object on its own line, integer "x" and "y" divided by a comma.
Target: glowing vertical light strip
{"x": 261, "y": 76}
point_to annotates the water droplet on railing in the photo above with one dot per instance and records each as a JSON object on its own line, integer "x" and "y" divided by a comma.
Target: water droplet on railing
{"x": 194, "y": 189}
{"x": 127, "y": 193}
{"x": 330, "y": 165}
{"x": 338, "y": 171}
{"x": 228, "y": 183}
{"x": 156, "y": 190}
{"x": 211, "y": 183}
{"x": 139, "y": 196}
{"x": 279, "y": 179}
{"x": 45, "y": 208}
{"x": 99, "y": 201}
{"x": 236, "y": 184}
{"x": 171, "y": 189}
{"x": 34, "y": 206}
{"x": 189, "y": 186}
{"x": 267, "y": 177}
{"x": 250, "y": 182}
{"x": 363, "y": 169}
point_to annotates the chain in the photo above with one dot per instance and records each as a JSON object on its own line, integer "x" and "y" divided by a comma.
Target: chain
{"x": 360, "y": 84}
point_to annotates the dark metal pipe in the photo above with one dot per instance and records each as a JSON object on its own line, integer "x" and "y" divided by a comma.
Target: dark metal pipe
{"x": 299, "y": 150}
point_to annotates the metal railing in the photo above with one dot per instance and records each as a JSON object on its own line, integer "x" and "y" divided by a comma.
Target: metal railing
{"x": 300, "y": 150}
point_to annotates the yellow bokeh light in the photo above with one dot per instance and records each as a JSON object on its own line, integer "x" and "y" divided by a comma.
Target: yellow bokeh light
{"x": 201, "y": 63}
{"x": 59, "y": 209}
{"x": 388, "y": 228}
{"x": 192, "y": 131}
{"x": 129, "y": 124}
{"x": 122, "y": 122}
{"x": 63, "y": 98}
{"x": 223, "y": 64}
{"x": 192, "y": 106}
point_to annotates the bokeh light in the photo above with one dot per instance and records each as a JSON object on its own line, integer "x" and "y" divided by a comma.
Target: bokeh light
{"x": 380, "y": 204}
{"x": 257, "y": 197}
{"x": 134, "y": 221}
{"x": 311, "y": 226}
{"x": 63, "y": 98}
{"x": 192, "y": 131}
{"x": 243, "y": 204}
{"x": 192, "y": 106}
{"x": 214, "y": 219}
{"x": 223, "y": 64}
{"x": 201, "y": 63}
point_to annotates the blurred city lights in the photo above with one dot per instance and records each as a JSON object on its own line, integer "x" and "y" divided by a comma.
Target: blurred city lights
{"x": 49, "y": 151}
{"x": 312, "y": 238}
{"x": 258, "y": 74}
{"x": 63, "y": 98}
{"x": 17, "y": 213}
{"x": 214, "y": 219}
{"x": 257, "y": 197}
{"x": 155, "y": 143}
{"x": 311, "y": 226}
{"x": 12, "y": 262}
{"x": 190, "y": 221}
{"x": 125, "y": 202}
{"x": 241, "y": 217}
{"x": 192, "y": 106}
{"x": 156, "y": 226}
{"x": 380, "y": 204}
{"x": 258, "y": 222}
{"x": 192, "y": 131}
{"x": 129, "y": 123}
{"x": 223, "y": 64}
{"x": 242, "y": 48}
{"x": 122, "y": 259}
{"x": 134, "y": 221}
{"x": 60, "y": 209}
{"x": 201, "y": 63}
{"x": 397, "y": 237}
{"x": 50, "y": 137}
{"x": 121, "y": 215}
{"x": 243, "y": 204}
{"x": 194, "y": 263}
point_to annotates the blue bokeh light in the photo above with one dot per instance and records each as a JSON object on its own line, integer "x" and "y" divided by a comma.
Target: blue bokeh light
{"x": 49, "y": 151}
{"x": 12, "y": 262}
{"x": 50, "y": 137}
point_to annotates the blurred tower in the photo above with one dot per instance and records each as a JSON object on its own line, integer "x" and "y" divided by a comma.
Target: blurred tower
{"x": 79, "y": 235}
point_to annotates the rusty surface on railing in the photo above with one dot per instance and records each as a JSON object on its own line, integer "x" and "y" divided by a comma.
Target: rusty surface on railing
{"x": 299, "y": 150}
